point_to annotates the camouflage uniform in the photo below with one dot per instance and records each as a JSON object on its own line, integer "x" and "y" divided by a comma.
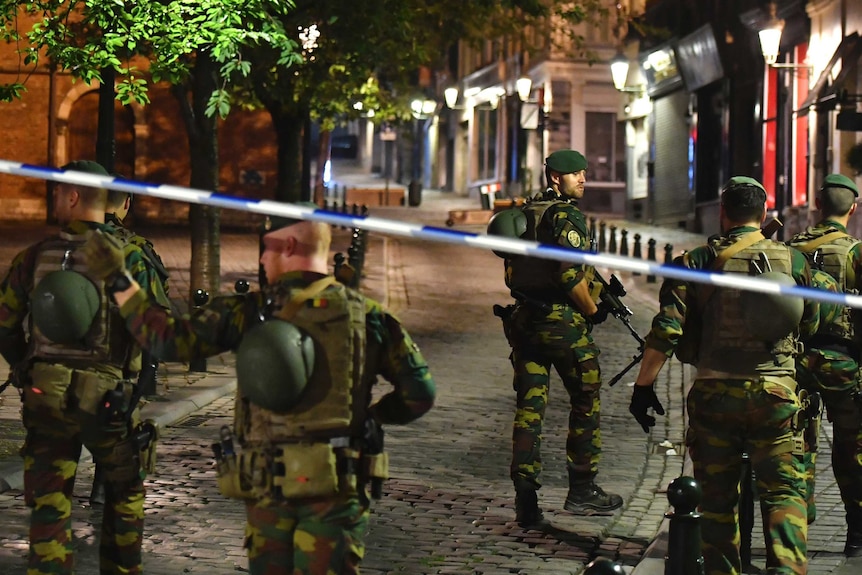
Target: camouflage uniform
{"x": 55, "y": 436}
{"x": 732, "y": 413}
{"x": 830, "y": 366}
{"x": 297, "y": 535}
{"x": 546, "y": 330}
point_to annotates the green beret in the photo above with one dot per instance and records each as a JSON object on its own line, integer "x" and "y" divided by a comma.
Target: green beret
{"x": 840, "y": 181}
{"x": 274, "y": 223}
{"x": 566, "y": 161}
{"x": 737, "y": 181}
{"x": 87, "y": 166}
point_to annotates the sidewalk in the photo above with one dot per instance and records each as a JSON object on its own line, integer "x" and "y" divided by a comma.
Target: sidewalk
{"x": 622, "y": 536}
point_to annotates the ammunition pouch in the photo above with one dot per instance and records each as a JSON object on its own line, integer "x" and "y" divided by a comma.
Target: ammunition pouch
{"x": 90, "y": 390}
{"x": 49, "y": 384}
{"x": 147, "y": 437}
{"x": 290, "y": 471}
{"x": 122, "y": 466}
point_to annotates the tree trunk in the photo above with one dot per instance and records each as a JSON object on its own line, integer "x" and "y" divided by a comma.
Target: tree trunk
{"x": 289, "y": 126}
{"x": 202, "y": 130}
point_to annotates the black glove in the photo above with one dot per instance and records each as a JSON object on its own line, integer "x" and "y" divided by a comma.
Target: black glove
{"x": 643, "y": 397}
{"x": 601, "y": 314}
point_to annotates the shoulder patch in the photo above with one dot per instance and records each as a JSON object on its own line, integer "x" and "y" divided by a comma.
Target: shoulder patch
{"x": 574, "y": 238}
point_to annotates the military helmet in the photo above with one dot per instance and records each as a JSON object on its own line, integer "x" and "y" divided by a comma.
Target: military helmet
{"x": 829, "y": 312}
{"x": 511, "y": 223}
{"x": 64, "y": 304}
{"x": 770, "y": 316}
{"x": 274, "y": 363}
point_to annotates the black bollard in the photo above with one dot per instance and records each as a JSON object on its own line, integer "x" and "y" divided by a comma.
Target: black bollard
{"x": 199, "y": 363}
{"x": 636, "y": 251}
{"x": 624, "y": 242}
{"x": 604, "y": 566}
{"x": 603, "y": 244}
{"x": 684, "y": 556}
{"x": 612, "y": 240}
{"x": 651, "y": 257}
{"x": 746, "y": 510}
{"x": 668, "y": 254}
{"x": 241, "y": 286}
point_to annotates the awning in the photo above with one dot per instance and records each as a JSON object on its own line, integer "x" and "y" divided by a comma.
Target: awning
{"x": 848, "y": 52}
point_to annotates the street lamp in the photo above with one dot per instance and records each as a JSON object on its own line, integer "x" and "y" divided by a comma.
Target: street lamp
{"x": 524, "y": 87}
{"x": 770, "y": 40}
{"x": 422, "y": 109}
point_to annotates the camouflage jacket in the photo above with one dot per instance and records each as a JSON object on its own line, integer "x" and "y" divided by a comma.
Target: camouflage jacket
{"x": 18, "y": 283}
{"x": 668, "y": 324}
{"x": 219, "y": 326}
{"x": 563, "y": 225}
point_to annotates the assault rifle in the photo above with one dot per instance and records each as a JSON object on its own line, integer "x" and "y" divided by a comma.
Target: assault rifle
{"x": 610, "y": 296}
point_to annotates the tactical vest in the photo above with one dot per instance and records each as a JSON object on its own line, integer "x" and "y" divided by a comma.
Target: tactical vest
{"x": 107, "y": 341}
{"x": 531, "y": 275}
{"x": 335, "y": 400}
{"x": 834, "y": 254}
{"x": 725, "y": 343}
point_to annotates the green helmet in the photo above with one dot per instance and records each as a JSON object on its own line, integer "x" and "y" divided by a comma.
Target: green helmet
{"x": 768, "y": 316}
{"x": 511, "y": 223}
{"x": 64, "y": 304}
{"x": 829, "y": 312}
{"x": 274, "y": 363}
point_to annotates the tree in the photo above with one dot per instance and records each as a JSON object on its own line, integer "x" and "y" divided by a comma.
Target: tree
{"x": 196, "y": 45}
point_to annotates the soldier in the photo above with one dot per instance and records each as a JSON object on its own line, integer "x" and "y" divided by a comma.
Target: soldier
{"x": 68, "y": 366}
{"x": 308, "y": 354}
{"x": 550, "y": 325}
{"x": 743, "y": 399}
{"x": 141, "y": 366}
{"x": 830, "y": 364}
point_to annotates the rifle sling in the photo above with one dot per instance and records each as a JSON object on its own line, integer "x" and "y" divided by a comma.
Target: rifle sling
{"x": 745, "y": 241}
{"x": 824, "y": 239}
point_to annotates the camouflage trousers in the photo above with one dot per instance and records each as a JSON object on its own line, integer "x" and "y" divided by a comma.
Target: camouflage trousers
{"x": 836, "y": 377}
{"x": 726, "y": 420}
{"x": 310, "y": 536}
{"x": 51, "y": 451}
{"x": 561, "y": 340}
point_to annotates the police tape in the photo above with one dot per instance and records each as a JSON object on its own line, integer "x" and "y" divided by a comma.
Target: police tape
{"x": 396, "y": 228}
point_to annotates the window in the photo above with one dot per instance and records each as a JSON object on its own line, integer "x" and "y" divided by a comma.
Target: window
{"x": 486, "y": 136}
{"x": 605, "y": 147}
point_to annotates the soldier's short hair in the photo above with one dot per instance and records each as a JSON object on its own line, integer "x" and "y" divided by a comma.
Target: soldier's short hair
{"x": 743, "y": 199}
{"x": 835, "y": 201}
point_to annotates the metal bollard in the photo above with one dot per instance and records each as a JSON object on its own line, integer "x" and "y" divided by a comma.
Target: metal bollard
{"x": 612, "y": 240}
{"x": 684, "y": 556}
{"x": 602, "y": 242}
{"x": 746, "y": 510}
{"x": 241, "y": 286}
{"x": 604, "y": 566}
{"x": 624, "y": 242}
{"x": 668, "y": 254}
{"x": 199, "y": 363}
{"x": 651, "y": 257}
{"x": 636, "y": 251}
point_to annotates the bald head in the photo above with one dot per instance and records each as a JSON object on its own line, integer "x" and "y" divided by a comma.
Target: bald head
{"x": 301, "y": 246}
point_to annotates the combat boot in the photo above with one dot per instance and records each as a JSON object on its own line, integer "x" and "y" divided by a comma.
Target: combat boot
{"x": 587, "y": 498}
{"x": 853, "y": 546}
{"x": 527, "y": 512}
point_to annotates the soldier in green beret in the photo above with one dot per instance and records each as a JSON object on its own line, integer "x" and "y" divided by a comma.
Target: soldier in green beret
{"x": 69, "y": 369}
{"x": 550, "y": 326}
{"x": 743, "y": 399}
{"x": 830, "y": 364}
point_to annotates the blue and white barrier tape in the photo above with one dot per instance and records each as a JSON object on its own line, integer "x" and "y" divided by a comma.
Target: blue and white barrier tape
{"x": 482, "y": 241}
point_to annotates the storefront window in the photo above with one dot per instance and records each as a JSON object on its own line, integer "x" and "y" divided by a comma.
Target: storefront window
{"x": 605, "y": 147}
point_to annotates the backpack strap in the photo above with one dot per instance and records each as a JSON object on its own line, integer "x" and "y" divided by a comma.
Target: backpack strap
{"x": 745, "y": 241}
